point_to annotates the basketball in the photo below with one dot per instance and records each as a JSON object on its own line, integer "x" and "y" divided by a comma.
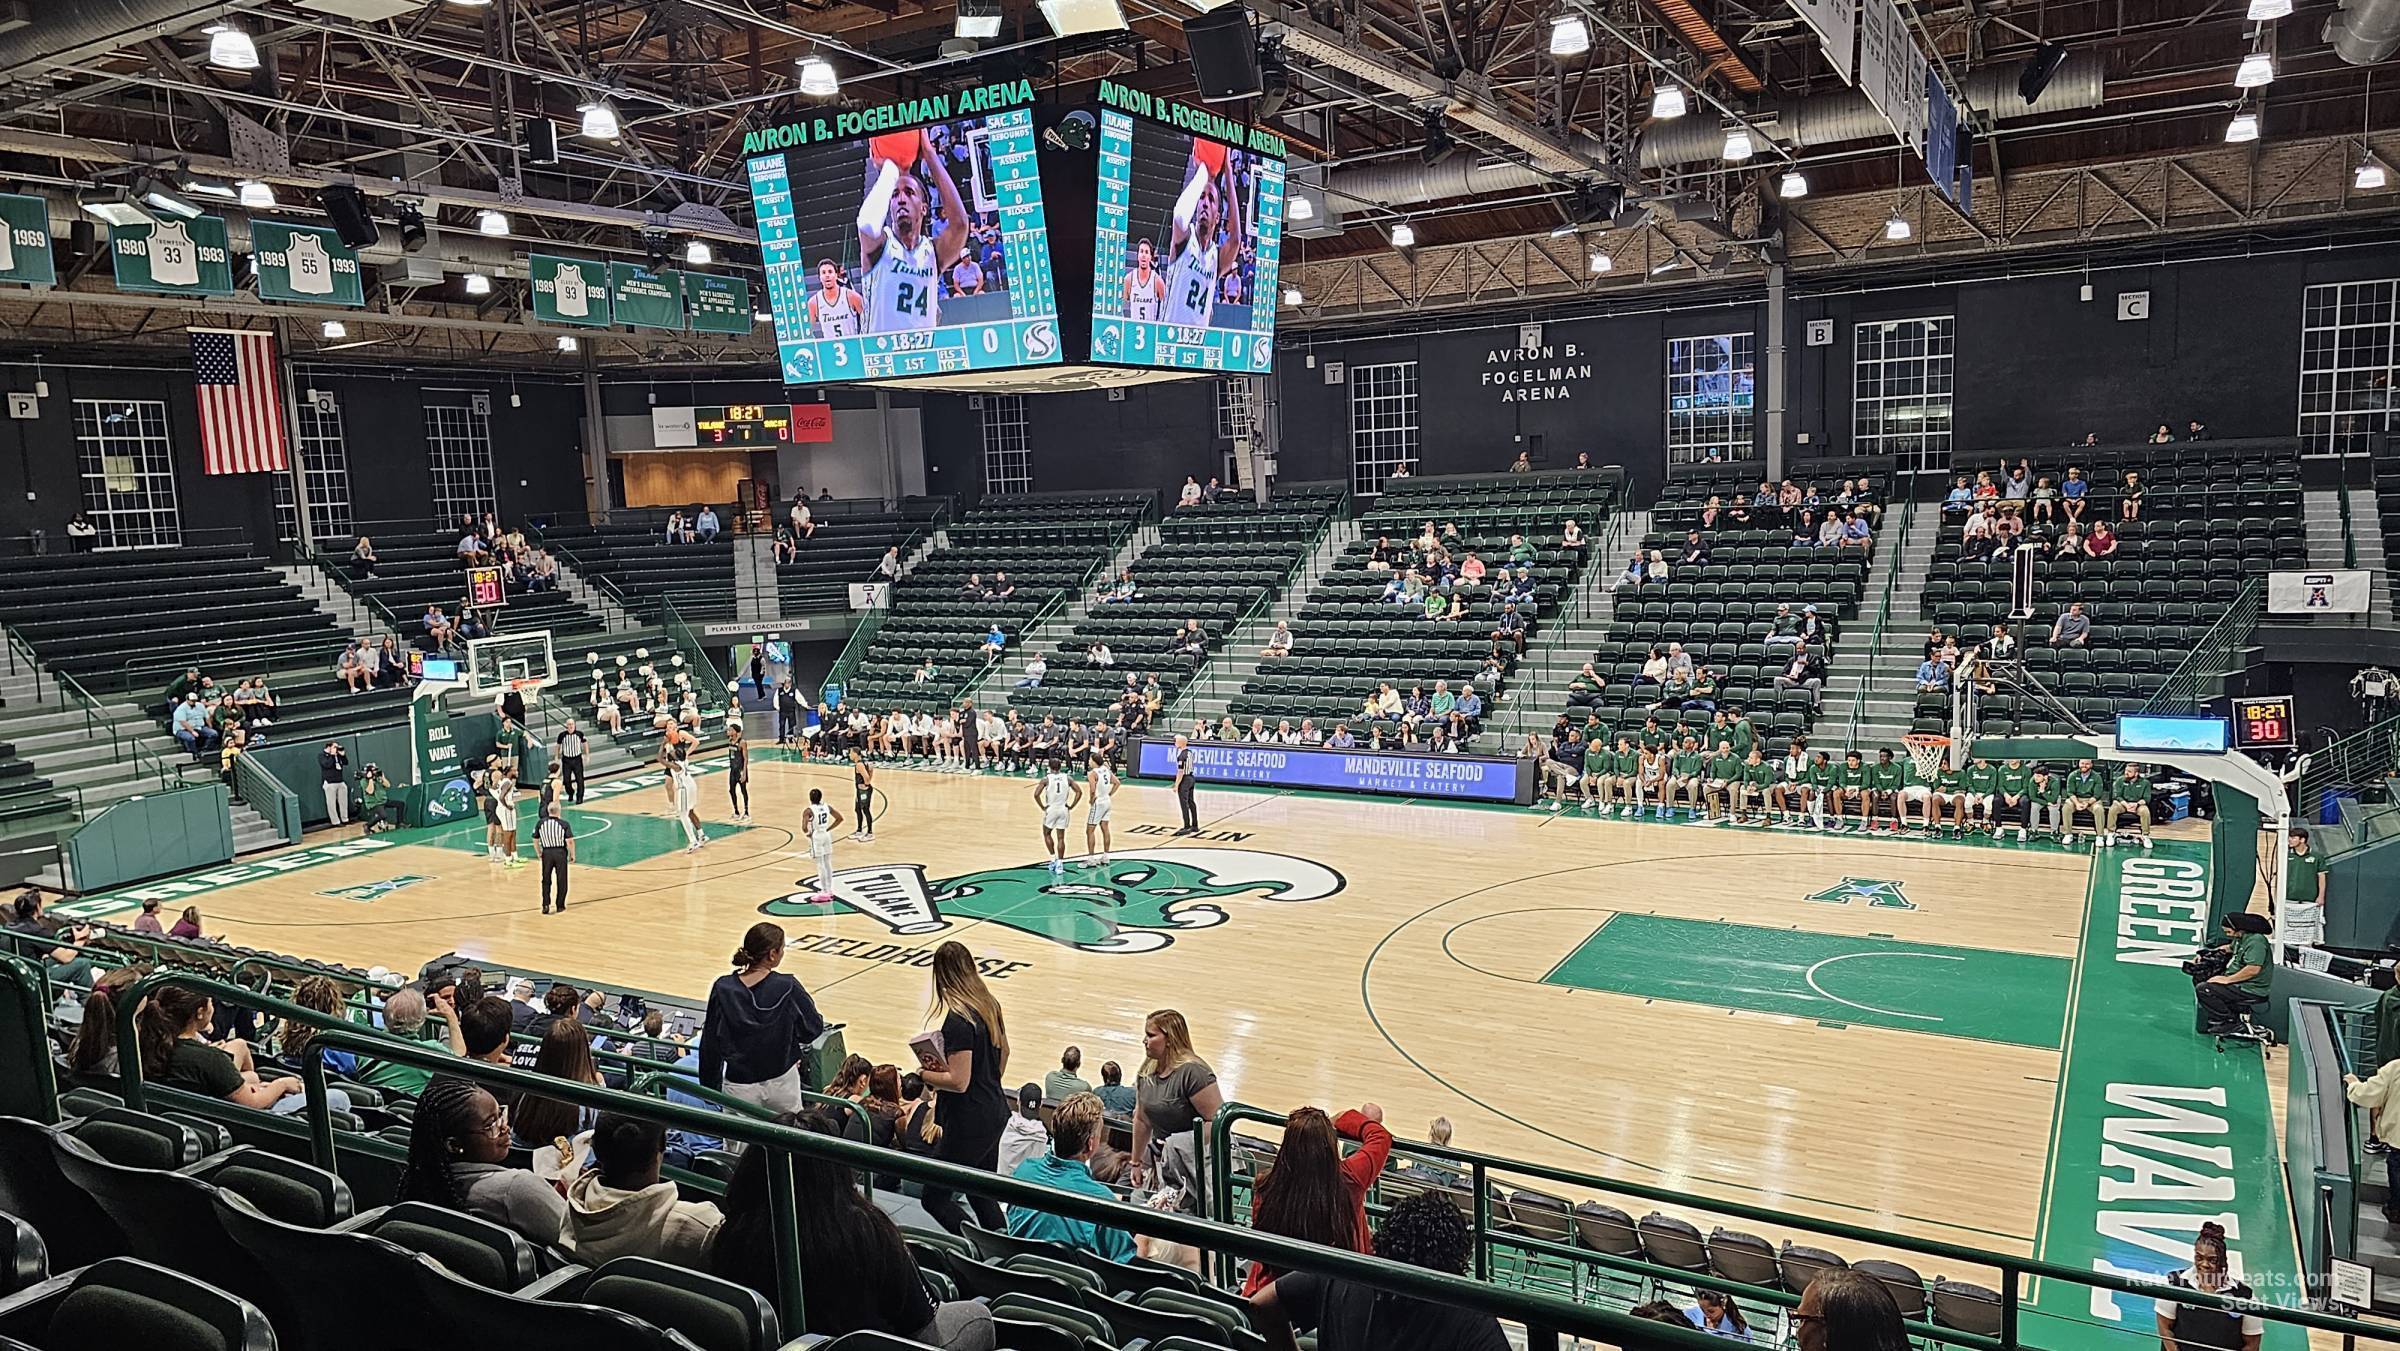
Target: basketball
{"x": 898, "y": 147}
{"x": 1210, "y": 154}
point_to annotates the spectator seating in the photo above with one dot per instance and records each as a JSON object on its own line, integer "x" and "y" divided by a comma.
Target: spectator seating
{"x": 1721, "y": 611}
{"x": 1348, "y": 641}
{"x": 2214, "y": 514}
{"x": 1211, "y": 565}
{"x": 421, "y": 568}
{"x": 638, "y": 647}
{"x": 132, "y": 620}
{"x": 1048, "y": 544}
{"x": 1689, "y": 486}
{"x": 631, "y": 553}
{"x": 25, "y": 795}
{"x": 1308, "y": 498}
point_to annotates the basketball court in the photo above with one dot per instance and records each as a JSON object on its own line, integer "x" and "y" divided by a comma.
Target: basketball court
{"x": 1861, "y": 1029}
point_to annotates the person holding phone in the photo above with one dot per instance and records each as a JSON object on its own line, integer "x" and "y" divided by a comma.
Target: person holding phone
{"x": 965, "y": 1060}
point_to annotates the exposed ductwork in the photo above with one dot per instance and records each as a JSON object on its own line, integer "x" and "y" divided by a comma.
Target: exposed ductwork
{"x": 1829, "y": 119}
{"x": 65, "y": 31}
{"x": 2364, "y": 32}
{"x": 1402, "y": 183}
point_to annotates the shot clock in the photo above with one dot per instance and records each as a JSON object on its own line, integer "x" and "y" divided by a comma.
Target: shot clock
{"x": 2263, "y": 723}
{"x": 487, "y": 588}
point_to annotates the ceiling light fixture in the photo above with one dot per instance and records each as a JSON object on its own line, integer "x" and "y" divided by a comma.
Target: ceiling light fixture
{"x": 334, "y": 328}
{"x": 254, "y": 194}
{"x": 2368, "y": 176}
{"x": 229, "y": 48}
{"x": 1667, "y": 101}
{"x": 165, "y": 201}
{"x": 1793, "y": 184}
{"x": 2261, "y": 11}
{"x": 1070, "y": 18}
{"x": 817, "y": 79}
{"x": 1404, "y": 236}
{"x": 1570, "y": 35}
{"x": 599, "y": 121}
{"x": 977, "y": 19}
{"x": 1897, "y": 228}
{"x": 698, "y": 253}
{"x": 567, "y": 343}
{"x": 114, "y": 206}
{"x": 1601, "y": 262}
{"x": 2243, "y": 127}
{"x": 1292, "y": 296}
{"x": 478, "y": 284}
{"x": 1737, "y": 146}
{"x": 490, "y": 222}
{"x": 1674, "y": 260}
{"x": 1301, "y": 208}
{"x": 2256, "y": 71}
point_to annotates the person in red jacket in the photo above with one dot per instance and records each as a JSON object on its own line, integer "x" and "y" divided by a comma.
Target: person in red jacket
{"x": 1314, "y": 1193}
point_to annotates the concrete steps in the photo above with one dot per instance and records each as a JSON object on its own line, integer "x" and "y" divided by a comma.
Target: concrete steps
{"x": 1884, "y": 671}
{"x": 1210, "y": 692}
{"x": 992, "y": 690}
{"x": 353, "y": 615}
{"x": 617, "y": 617}
{"x": 1538, "y": 690}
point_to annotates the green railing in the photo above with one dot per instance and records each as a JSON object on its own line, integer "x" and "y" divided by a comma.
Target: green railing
{"x": 1548, "y": 661}
{"x": 98, "y": 725}
{"x": 2222, "y": 651}
{"x": 1501, "y": 1245}
{"x": 693, "y": 651}
{"x": 1205, "y": 683}
{"x": 2349, "y": 540}
{"x": 2359, "y": 760}
{"x": 1896, "y": 541}
{"x": 265, "y": 794}
{"x": 2323, "y": 1164}
{"x": 1545, "y": 1316}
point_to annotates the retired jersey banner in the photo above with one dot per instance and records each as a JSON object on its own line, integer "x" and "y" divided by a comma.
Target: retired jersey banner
{"x": 569, "y": 291}
{"x": 25, "y": 257}
{"x": 717, "y": 304}
{"x": 304, "y": 263}
{"x": 2320, "y": 593}
{"x": 642, "y": 298}
{"x": 173, "y": 257}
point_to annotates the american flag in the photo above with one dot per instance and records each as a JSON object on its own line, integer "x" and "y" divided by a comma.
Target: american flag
{"x": 241, "y": 402}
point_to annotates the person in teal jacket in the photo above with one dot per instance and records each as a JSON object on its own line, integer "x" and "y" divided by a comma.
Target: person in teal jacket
{"x": 1075, "y": 1131}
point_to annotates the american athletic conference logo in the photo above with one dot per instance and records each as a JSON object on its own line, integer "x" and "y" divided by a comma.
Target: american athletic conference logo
{"x": 1138, "y": 903}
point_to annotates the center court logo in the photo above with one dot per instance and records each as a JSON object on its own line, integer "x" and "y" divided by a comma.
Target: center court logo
{"x": 1137, "y": 903}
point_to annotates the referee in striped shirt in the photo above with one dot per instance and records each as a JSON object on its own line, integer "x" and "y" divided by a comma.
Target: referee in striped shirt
{"x": 554, "y": 840}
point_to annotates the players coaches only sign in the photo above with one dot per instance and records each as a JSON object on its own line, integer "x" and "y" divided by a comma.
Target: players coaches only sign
{"x": 2320, "y": 593}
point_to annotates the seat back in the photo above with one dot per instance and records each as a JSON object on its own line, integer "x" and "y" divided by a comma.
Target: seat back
{"x": 1606, "y": 1229}
{"x": 1080, "y": 1323}
{"x": 1671, "y": 1242}
{"x": 489, "y": 1254}
{"x": 119, "y": 1301}
{"x": 1747, "y": 1258}
{"x": 461, "y": 1310}
{"x": 166, "y": 1218}
{"x": 986, "y": 1281}
{"x": 1135, "y": 1322}
{"x": 1128, "y": 1280}
{"x": 1966, "y": 1307}
{"x": 1907, "y": 1287}
{"x": 24, "y": 1258}
{"x": 346, "y": 1290}
{"x": 1802, "y": 1264}
{"x": 712, "y": 1313}
{"x": 32, "y": 1188}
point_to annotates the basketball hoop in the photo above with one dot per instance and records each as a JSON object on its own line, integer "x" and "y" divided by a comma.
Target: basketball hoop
{"x": 1926, "y": 751}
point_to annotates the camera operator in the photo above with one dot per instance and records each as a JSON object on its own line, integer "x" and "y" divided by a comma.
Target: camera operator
{"x": 2233, "y": 976}
{"x": 375, "y": 806}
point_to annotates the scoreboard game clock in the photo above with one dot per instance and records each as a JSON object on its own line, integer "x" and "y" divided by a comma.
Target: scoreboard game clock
{"x": 486, "y": 588}
{"x": 743, "y": 424}
{"x": 2263, "y": 723}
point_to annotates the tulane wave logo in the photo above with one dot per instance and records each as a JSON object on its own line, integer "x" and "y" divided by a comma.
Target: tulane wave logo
{"x": 1137, "y": 903}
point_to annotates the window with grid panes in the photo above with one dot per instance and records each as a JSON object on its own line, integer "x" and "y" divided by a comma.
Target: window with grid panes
{"x": 128, "y": 471}
{"x": 1900, "y": 393}
{"x": 1233, "y": 409}
{"x": 1007, "y": 460}
{"x": 2349, "y": 360}
{"x": 1711, "y": 388}
{"x": 458, "y": 452}
{"x": 326, "y": 464}
{"x": 1383, "y": 423}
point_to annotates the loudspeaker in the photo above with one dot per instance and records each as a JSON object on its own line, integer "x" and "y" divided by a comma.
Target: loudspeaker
{"x": 347, "y": 207}
{"x": 1224, "y": 54}
{"x": 2034, "y": 76}
{"x": 541, "y": 141}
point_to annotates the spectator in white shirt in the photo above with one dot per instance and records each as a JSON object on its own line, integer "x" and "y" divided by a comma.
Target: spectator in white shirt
{"x": 1099, "y": 655}
{"x": 1035, "y": 669}
{"x": 1279, "y": 643}
{"x": 1190, "y": 496}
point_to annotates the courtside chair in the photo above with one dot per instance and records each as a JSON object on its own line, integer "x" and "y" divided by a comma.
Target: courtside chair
{"x": 1747, "y": 1258}
{"x": 121, "y": 1302}
{"x": 1671, "y": 1242}
{"x": 1966, "y": 1307}
{"x": 1802, "y": 1264}
{"x": 24, "y": 1258}
{"x": 1907, "y": 1287}
{"x": 1611, "y": 1232}
{"x": 712, "y": 1313}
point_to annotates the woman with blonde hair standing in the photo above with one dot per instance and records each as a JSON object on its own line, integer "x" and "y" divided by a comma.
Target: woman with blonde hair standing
{"x": 972, "y": 1110}
{"x": 1174, "y": 1097}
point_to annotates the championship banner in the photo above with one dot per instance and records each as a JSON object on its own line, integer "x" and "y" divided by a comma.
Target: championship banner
{"x": 569, "y": 290}
{"x": 1836, "y": 23}
{"x": 1892, "y": 71}
{"x": 25, "y": 257}
{"x": 717, "y": 304}
{"x": 173, "y": 257}
{"x": 642, "y": 298}
{"x": 2349, "y": 592}
{"x": 304, "y": 263}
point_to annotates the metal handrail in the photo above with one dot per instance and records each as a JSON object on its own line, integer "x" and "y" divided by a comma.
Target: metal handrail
{"x": 1883, "y": 611}
{"x": 2362, "y": 757}
{"x": 260, "y": 790}
{"x": 96, "y": 719}
{"x": 1547, "y": 1315}
{"x": 2208, "y": 659}
{"x": 1296, "y": 581}
{"x": 1479, "y": 1167}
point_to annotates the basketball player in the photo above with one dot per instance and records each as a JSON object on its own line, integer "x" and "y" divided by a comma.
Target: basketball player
{"x": 862, "y": 799}
{"x": 1103, "y": 782}
{"x": 678, "y": 758}
{"x": 737, "y": 771}
{"x": 903, "y": 266}
{"x": 504, "y": 815}
{"x": 1204, "y": 206}
{"x": 835, "y": 311}
{"x": 1058, "y": 796}
{"x": 821, "y": 821}
{"x": 1145, "y": 289}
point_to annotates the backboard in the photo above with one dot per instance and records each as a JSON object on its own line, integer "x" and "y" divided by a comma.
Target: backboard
{"x": 504, "y": 661}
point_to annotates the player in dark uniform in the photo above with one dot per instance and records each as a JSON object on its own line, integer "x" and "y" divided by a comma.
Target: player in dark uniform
{"x": 862, "y": 778}
{"x": 737, "y": 771}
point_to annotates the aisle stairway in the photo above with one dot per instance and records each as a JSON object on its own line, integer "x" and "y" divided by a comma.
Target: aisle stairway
{"x": 1883, "y": 665}
{"x": 2322, "y": 519}
{"x": 1537, "y": 692}
{"x": 1209, "y": 693}
{"x": 992, "y": 690}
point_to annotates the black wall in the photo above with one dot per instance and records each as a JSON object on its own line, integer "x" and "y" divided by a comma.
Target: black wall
{"x": 2035, "y": 365}
{"x": 537, "y": 453}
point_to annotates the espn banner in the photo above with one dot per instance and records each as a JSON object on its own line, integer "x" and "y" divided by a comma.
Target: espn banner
{"x": 2320, "y": 593}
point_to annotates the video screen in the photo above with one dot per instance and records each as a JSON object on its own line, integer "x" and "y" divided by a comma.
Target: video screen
{"x": 1185, "y": 254}
{"x": 917, "y": 252}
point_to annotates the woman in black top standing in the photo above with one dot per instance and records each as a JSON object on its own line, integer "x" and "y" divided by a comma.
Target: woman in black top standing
{"x": 972, "y": 1108}
{"x": 737, "y": 771}
{"x": 759, "y": 1026}
{"x": 862, "y": 782}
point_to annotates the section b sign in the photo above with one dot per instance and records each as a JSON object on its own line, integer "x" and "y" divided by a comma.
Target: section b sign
{"x": 2349, "y": 592}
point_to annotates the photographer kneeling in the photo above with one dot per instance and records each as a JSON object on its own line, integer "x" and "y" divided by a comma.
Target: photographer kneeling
{"x": 2231, "y": 977}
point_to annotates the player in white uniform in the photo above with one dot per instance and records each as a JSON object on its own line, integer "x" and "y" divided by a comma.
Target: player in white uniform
{"x": 1145, "y": 289}
{"x": 821, "y": 821}
{"x": 1200, "y": 261}
{"x": 835, "y": 311}
{"x": 1057, "y": 795}
{"x": 1103, "y": 783}
{"x": 903, "y": 265}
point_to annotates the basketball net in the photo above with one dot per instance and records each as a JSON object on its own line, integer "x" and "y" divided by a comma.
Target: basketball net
{"x": 1926, "y": 751}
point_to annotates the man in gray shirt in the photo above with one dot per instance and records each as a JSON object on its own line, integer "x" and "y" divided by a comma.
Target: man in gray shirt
{"x": 1065, "y": 1082}
{"x": 570, "y": 762}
